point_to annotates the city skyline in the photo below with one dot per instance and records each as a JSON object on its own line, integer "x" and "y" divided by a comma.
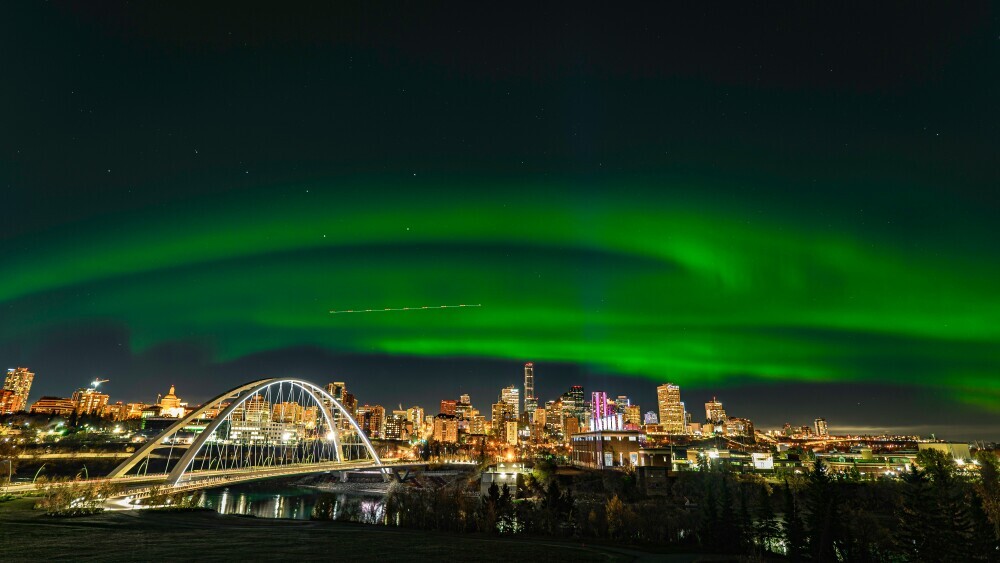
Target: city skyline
{"x": 793, "y": 218}
{"x": 744, "y": 408}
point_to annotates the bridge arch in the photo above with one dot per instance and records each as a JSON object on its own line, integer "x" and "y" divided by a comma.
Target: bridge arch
{"x": 239, "y": 398}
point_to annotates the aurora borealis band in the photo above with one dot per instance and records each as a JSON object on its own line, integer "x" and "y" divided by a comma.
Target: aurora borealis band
{"x": 829, "y": 234}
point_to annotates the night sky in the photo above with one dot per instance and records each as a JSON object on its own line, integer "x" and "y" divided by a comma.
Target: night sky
{"x": 794, "y": 209}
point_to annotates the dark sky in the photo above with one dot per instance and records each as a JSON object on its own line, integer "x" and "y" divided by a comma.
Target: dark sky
{"x": 791, "y": 207}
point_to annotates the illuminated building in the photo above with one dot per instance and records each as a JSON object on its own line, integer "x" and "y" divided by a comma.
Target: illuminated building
{"x": 502, "y": 412}
{"x": 511, "y": 395}
{"x": 510, "y": 432}
{"x": 54, "y": 405}
{"x": 448, "y": 407}
{"x": 821, "y": 428}
{"x": 736, "y": 426}
{"x": 633, "y": 417}
{"x": 714, "y": 411}
{"x": 350, "y": 404}
{"x": 338, "y": 390}
{"x": 606, "y": 449}
{"x": 463, "y": 409}
{"x": 530, "y": 400}
{"x": 570, "y": 426}
{"x": 287, "y": 412}
{"x": 415, "y": 415}
{"x": 371, "y": 418}
{"x": 446, "y": 428}
{"x": 171, "y": 406}
{"x": 395, "y": 425}
{"x": 478, "y": 425}
{"x": 89, "y": 401}
{"x": 511, "y": 475}
{"x": 672, "y": 417}
{"x": 6, "y": 401}
{"x": 573, "y": 403}
{"x": 603, "y": 416}
{"x": 650, "y": 418}
{"x": 621, "y": 403}
{"x": 19, "y": 382}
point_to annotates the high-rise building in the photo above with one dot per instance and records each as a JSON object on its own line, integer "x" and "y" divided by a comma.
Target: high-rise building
{"x": 821, "y": 428}
{"x": 19, "y": 381}
{"x": 7, "y": 401}
{"x": 714, "y": 411}
{"x": 446, "y": 428}
{"x": 621, "y": 402}
{"x": 371, "y": 419}
{"x": 633, "y": 416}
{"x": 512, "y": 396}
{"x": 502, "y": 412}
{"x": 530, "y": 400}
{"x": 448, "y": 406}
{"x": 395, "y": 425}
{"x": 573, "y": 403}
{"x": 415, "y": 415}
{"x": 672, "y": 417}
{"x": 89, "y": 401}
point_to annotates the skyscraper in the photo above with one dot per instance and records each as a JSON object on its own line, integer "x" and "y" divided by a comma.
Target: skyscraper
{"x": 714, "y": 411}
{"x": 530, "y": 400}
{"x": 19, "y": 381}
{"x": 821, "y": 428}
{"x": 511, "y": 396}
{"x": 668, "y": 398}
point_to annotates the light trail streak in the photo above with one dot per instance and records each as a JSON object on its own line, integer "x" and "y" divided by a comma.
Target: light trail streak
{"x": 392, "y": 309}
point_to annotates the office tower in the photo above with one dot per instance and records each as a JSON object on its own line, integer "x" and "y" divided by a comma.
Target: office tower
{"x": 530, "y": 400}
{"x": 821, "y": 428}
{"x": 601, "y": 410}
{"x": 395, "y": 425}
{"x": 371, "y": 419}
{"x": 89, "y": 401}
{"x": 415, "y": 415}
{"x": 668, "y": 398}
{"x": 463, "y": 409}
{"x": 448, "y": 406}
{"x": 714, "y": 411}
{"x": 633, "y": 415}
{"x": 19, "y": 381}
{"x": 502, "y": 412}
{"x": 621, "y": 403}
{"x": 511, "y": 395}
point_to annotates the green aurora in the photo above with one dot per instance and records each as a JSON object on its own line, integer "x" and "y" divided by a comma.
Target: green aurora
{"x": 632, "y": 280}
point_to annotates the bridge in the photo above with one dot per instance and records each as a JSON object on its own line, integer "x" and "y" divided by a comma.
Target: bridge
{"x": 276, "y": 427}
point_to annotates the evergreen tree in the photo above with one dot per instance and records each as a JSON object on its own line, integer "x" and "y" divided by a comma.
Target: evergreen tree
{"x": 792, "y": 531}
{"x": 728, "y": 534}
{"x": 823, "y": 523}
{"x": 766, "y": 531}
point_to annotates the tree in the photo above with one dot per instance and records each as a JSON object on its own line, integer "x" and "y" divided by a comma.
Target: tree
{"x": 792, "y": 531}
{"x": 988, "y": 487}
{"x": 766, "y": 529}
{"x": 822, "y": 502}
{"x": 621, "y": 518}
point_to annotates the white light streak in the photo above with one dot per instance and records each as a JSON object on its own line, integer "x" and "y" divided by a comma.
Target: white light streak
{"x": 394, "y": 309}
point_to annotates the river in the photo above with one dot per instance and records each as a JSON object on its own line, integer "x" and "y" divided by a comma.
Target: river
{"x": 286, "y": 501}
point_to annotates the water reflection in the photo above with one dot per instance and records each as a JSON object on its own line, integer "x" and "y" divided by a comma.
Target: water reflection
{"x": 296, "y": 503}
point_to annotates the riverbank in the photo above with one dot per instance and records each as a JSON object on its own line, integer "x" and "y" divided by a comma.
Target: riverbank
{"x": 141, "y": 535}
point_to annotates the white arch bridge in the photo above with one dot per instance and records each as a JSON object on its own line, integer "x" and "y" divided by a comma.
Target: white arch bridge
{"x": 267, "y": 428}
